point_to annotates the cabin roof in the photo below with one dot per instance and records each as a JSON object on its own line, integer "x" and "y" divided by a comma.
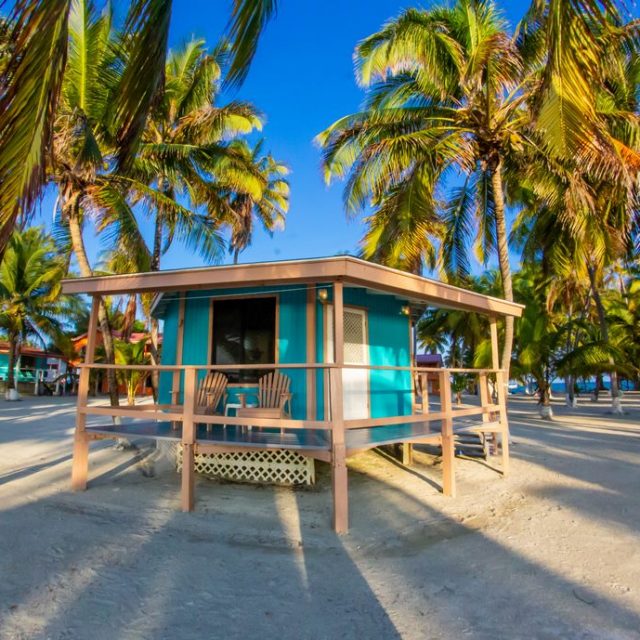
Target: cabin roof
{"x": 352, "y": 271}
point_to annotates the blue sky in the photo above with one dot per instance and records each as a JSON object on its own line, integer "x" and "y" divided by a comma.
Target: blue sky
{"x": 302, "y": 79}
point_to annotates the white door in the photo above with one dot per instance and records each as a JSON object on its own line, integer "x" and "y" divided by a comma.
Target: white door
{"x": 355, "y": 382}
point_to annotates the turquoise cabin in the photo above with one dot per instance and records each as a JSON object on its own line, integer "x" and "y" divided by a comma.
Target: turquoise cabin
{"x": 330, "y": 337}
{"x": 293, "y": 324}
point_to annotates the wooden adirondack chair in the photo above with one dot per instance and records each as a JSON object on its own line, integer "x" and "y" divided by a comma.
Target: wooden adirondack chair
{"x": 274, "y": 398}
{"x": 211, "y": 390}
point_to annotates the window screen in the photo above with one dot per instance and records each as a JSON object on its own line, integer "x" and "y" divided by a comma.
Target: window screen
{"x": 244, "y": 332}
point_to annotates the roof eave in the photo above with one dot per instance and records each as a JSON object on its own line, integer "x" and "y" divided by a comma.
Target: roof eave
{"x": 346, "y": 268}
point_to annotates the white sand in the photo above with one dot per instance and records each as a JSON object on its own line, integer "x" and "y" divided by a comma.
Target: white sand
{"x": 551, "y": 552}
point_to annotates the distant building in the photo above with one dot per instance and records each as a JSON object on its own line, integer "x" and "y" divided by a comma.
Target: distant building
{"x": 431, "y": 361}
{"x": 79, "y": 344}
{"x": 34, "y": 364}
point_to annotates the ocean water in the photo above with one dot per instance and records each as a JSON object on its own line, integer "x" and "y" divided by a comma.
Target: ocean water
{"x": 584, "y": 386}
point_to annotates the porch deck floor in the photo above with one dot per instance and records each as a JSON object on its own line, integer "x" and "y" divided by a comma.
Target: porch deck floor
{"x": 219, "y": 435}
{"x": 300, "y": 439}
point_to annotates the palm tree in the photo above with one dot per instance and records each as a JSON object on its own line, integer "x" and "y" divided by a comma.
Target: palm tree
{"x": 623, "y": 312}
{"x": 401, "y": 231}
{"x": 582, "y": 217}
{"x": 180, "y": 154}
{"x": 132, "y": 353}
{"x": 182, "y": 142}
{"x": 540, "y": 334}
{"x": 444, "y": 95}
{"x": 187, "y": 151}
{"x": 268, "y": 204}
{"x": 566, "y": 44}
{"x": 461, "y": 336}
{"x": 84, "y": 143}
{"x": 34, "y": 74}
{"x": 190, "y": 150}
{"x": 30, "y": 302}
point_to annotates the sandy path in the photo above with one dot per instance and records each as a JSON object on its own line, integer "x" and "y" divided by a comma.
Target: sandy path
{"x": 551, "y": 552}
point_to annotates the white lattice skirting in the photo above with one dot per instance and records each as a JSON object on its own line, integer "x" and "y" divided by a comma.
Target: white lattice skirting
{"x": 273, "y": 466}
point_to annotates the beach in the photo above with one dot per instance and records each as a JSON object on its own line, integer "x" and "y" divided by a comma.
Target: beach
{"x": 551, "y": 551}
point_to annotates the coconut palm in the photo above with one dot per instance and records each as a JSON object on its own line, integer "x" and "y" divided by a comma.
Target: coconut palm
{"x": 267, "y": 204}
{"x": 30, "y": 302}
{"x": 34, "y": 75}
{"x": 179, "y": 156}
{"x": 85, "y": 143}
{"x": 623, "y": 312}
{"x": 444, "y": 95}
{"x": 401, "y": 231}
{"x": 540, "y": 334}
{"x": 582, "y": 218}
{"x": 459, "y": 335}
{"x": 132, "y": 353}
{"x": 566, "y": 43}
{"x": 190, "y": 150}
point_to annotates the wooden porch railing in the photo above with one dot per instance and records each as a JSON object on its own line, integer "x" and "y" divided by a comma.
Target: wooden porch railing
{"x": 492, "y": 414}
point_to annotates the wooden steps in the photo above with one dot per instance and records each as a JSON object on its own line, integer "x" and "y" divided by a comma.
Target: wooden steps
{"x": 471, "y": 445}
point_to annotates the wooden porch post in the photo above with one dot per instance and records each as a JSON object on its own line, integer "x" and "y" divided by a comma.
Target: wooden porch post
{"x": 175, "y": 386}
{"x": 188, "y": 438}
{"x": 483, "y": 387}
{"x": 80, "y": 466}
{"x": 501, "y": 390}
{"x": 424, "y": 384}
{"x": 495, "y": 364}
{"x": 311, "y": 352}
{"x": 448, "y": 448}
{"x": 407, "y": 447}
{"x": 501, "y": 383}
{"x": 339, "y": 480}
{"x": 495, "y": 356}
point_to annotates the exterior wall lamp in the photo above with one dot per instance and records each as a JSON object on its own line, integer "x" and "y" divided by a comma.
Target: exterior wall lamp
{"x": 405, "y": 310}
{"x": 323, "y": 295}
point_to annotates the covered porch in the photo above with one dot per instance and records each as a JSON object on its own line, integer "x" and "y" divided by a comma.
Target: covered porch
{"x": 318, "y": 427}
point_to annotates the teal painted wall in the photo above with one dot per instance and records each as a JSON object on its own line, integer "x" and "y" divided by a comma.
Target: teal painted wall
{"x": 168, "y": 353}
{"x": 389, "y": 344}
{"x": 290, "y": 348}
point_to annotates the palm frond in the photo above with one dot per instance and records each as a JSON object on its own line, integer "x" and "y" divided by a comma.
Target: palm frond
{"x": 146, "y": 38}
{"x": 248, "y": 20}
{"x": 28, "y": 101}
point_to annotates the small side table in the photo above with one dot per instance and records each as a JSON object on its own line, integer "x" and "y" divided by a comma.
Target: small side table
{"x": 235, "y": 406}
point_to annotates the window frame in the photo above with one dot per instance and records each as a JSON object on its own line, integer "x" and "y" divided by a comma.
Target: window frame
{"x": 276, "y": 336}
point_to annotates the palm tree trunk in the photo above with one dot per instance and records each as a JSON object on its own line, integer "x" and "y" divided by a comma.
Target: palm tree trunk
{"x": 616, "y": 405}
{"x": 568, "y": 379}
{"x": 157, "y": 243}
{"x": 77, "y": 241}
{"x": 11, "y": 373}
{"x": 86, "y": 272}
{"x": 503, "y": 261}
{"x": 544, "y": 387}
{"x": 153, "y": 322}
{"x": 129, "y": 317}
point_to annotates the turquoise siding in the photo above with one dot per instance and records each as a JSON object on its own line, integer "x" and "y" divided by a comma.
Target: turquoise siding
{"x": 29, "y": 362}
{"x": 168, "y": 353}
{"x": 389, "y": 344}
{"x": 291, "y": 345}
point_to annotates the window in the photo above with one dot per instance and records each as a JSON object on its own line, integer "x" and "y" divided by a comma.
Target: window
{"x": 244, "y": 332}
